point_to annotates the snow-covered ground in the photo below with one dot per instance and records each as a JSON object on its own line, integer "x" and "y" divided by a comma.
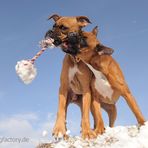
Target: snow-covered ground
{"x": 117, "y": 137}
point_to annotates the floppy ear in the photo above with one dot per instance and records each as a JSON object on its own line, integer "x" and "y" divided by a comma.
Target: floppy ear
{"x": 95, "y": 31}
{"x": 104, "y": 49}
{"x": 83, "y": 20}
{"x": 55, "y": 17}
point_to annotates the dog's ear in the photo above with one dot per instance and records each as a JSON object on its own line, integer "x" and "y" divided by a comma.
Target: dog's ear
{"x": 83, "y": 20}
{"x": 104, "y": 49}
{"x": 55, "y": 17}
{"x": 95, "y": 31}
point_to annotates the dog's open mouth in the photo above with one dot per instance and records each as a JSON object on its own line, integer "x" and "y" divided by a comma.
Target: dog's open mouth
{"x": 69, "y": 48}
{"x": 70, "y": 44}
{"x": 65, "y": 45}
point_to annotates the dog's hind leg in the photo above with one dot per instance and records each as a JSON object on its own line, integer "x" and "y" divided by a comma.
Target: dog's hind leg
{"x": 112, "y": 71}
{"x": 119, "y": 83}
{"x": 133, "y": 105}
{"x": 111, "y": 111}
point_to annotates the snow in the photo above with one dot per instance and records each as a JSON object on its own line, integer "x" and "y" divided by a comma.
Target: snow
{"x": 117, "y": 137}
{"x": 44, "y": 133}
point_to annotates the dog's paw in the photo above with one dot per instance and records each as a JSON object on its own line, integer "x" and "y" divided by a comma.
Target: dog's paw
{"x": 99, "y": 129}
{"x": 59, "y": 131}
{"x": 141, "y": 122}
{"x": 88, "y": 134}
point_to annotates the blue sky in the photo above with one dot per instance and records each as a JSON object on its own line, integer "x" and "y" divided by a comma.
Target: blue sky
{"x": 123, "y": 25}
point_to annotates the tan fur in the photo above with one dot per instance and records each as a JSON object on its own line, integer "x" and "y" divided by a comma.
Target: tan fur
{"x": 111, "y": 69}
{"x": 81, "y": 84}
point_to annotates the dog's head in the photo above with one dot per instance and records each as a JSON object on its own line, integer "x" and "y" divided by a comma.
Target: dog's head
{"x": 66, "y": 28}
{"x": 88, "y": 43}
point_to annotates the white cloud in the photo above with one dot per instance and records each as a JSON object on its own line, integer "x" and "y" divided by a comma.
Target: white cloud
{"x": 26, "y": 125}
{"x": 27, "y": 116}
{"x": 31, "y": 126}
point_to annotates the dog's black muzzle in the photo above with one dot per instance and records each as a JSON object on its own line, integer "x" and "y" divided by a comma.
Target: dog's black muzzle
{"x": 73, "y": 38}
{"x": 51, "y": 34}
{"x": 75, "y": 42}
{"x": 72, "y": 43}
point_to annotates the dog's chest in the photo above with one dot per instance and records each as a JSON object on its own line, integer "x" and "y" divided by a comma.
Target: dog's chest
{"x": 72, "y": 72}
{"x": 101, "y": 83}
{"x": 73, "y": 80}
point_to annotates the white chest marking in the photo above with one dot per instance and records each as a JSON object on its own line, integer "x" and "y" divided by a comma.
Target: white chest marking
{"x": 72, "y": 72}
{"x": 101, "y": 83}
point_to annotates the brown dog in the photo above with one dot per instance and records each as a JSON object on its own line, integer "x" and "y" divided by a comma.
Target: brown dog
{"x": 75, "y": 79}
{"x": 108, "y": 83}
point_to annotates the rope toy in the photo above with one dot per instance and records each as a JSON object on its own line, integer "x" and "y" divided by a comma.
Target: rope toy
{"x": 25, "y": 69}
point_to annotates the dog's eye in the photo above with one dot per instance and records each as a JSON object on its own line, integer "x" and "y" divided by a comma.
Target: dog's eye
{"x": 54, "y": 26}
{"x": 63, "y": 27}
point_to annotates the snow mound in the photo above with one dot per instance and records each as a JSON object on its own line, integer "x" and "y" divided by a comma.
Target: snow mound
{"x": 117, "y": 137}
{"x": 26, "y": 71}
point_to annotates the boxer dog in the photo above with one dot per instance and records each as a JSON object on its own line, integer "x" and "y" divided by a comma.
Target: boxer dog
{"x": 75, "y": 78}
{"x": 108, "y": 82}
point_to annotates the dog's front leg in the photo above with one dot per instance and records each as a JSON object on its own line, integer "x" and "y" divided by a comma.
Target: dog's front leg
{"x": 87, "y": 133}
{"x": 98, "y": 121}
{"x": 60, "y": 125}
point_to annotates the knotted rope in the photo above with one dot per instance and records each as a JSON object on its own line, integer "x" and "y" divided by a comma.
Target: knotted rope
{"x": 26, "y": 69}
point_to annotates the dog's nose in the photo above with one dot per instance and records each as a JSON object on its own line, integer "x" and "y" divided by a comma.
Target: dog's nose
{"x": 73, "y": 38}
